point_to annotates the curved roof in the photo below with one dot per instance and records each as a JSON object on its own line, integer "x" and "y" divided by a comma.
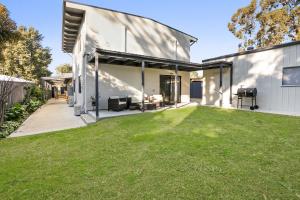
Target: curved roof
{"x": 13, "y": 79}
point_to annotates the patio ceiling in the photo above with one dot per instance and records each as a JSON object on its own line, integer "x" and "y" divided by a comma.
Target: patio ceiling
{"x": 72, "y": 19}
{"x": 129, "y": 59}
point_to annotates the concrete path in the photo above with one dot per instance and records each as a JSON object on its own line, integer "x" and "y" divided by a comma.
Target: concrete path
{"x": 54, "y": 115}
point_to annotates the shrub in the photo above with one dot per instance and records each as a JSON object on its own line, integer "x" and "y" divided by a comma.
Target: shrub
{"x": 33, "y": 105}
{"x": 8, "y": 127}
{"x": 34, "y": 92}
{"x": 15, "y": 113}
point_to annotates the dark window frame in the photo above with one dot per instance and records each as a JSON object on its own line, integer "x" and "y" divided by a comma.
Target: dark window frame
{"x": 79, "y": 84}
{"x": 289, "y": 85}
{"x": 74, "y": 85}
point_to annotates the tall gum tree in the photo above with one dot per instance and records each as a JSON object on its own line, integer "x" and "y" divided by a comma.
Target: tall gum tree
{"x": 7, "y": 25}
{"x": 265, "y": 23}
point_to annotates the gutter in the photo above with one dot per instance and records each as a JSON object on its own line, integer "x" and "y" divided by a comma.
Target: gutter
{"x": 193, "y": 42}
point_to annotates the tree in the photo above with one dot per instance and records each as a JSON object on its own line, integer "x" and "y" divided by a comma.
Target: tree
{"x": 26, "y": 57}
{"x": 21, "y": 54}
{"x": 194, "y": 74}
{"x": 7, "y": 25}
{"x": 64, "y": 68}
{"x": 267, "y": 23}
{"x": 7, "y": 29}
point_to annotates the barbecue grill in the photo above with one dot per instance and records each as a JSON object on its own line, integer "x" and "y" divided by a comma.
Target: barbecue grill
{"x": 247, "y": 93}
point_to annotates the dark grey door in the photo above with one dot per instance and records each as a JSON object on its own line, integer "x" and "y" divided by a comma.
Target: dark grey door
{"x": 196, "y": 89}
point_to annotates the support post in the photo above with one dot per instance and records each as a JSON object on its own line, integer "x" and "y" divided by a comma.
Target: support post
{"x": 143, "y": 86}
{"x": 97, "y": 85}
{"x": 84, "y": 63}
{"x": 231, "y": 83}
{"x": 221, "y": 86}
{"x": 176, "y": 85}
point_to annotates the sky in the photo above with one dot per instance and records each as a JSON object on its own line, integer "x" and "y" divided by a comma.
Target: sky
{"x": 206, "y": 20}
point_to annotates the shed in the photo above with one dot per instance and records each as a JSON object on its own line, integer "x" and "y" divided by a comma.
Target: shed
{"x": 274, "y": 71}
{"x": 18, "y": 87}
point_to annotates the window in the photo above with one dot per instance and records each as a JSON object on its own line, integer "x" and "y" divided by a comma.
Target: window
{"x": 74, "y": 85}
{"x": 291, "y": 76}
{"x": 79, "y": 84}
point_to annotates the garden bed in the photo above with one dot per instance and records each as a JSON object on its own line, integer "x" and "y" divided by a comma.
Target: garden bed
{"x": 16, "y": 114}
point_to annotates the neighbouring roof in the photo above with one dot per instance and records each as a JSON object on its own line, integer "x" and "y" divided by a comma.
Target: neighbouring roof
{"x": 60, "y": 77}
{"x": 129, "y": 59}
{"x": 72, "y": 19}
{"x": 13, "y": 79}
{"x": 252, "y": 51}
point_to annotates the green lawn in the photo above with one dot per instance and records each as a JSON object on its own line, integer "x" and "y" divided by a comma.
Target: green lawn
{"x": 190, "y": 153}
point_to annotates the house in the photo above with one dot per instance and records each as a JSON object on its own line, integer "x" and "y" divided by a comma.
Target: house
{"x": 121, "y": 54}
{"x": 273, "y": 71}
{"x": 17, "y": 86}
{"x": 118, "y": 54}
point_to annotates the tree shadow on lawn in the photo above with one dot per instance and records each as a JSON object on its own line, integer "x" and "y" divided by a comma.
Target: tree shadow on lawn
{"x": 250, "y": 154}
{"x": 209, "y": 122}
{"x": 188, "y": 153}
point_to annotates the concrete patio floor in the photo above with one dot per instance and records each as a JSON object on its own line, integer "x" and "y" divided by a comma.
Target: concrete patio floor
{"x": 53, "y": 116}
{"x": 109, "y": 114}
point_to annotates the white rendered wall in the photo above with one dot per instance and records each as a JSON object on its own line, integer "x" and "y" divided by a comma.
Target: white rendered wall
{"x": 127, "y": 33}
{"x": 117, "y": 80}
{"x": 79, "y": 65}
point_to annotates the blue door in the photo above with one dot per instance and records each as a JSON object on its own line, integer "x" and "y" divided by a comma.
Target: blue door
{"x": 196, "y": 89}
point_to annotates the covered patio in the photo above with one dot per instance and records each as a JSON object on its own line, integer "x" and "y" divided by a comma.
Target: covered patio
{"x": 58, "y": 85}
{"x": 101, "y": 56}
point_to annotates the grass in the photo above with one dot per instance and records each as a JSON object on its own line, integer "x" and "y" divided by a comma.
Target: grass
{"x": 190, "y": 153}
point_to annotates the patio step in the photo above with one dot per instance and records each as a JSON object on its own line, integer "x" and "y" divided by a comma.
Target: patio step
{"x": 88, "y": 119}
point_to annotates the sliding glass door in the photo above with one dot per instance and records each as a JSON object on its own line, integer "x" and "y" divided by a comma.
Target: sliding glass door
{"x": 167, "y": 88}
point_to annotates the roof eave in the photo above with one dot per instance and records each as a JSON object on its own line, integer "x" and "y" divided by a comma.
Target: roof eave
{"x": 70, "y": 26}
